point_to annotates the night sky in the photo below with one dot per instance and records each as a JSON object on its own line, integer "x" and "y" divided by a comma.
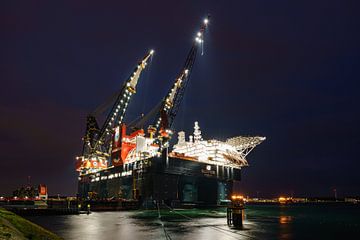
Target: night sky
{"x": 287, "y": 70}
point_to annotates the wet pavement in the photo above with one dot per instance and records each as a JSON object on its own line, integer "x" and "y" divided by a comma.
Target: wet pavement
{"x": 262, "y": 222}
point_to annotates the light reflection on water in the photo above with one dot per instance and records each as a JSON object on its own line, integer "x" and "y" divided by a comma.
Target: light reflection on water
{"x": 285, "y": 219}
{"x": 262, "y": 222}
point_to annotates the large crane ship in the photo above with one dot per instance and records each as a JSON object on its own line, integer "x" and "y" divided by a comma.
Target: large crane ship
{"x": 130, "y": 161}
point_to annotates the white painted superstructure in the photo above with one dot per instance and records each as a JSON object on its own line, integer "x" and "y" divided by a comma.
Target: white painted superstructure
{"x": 230, "y": 153}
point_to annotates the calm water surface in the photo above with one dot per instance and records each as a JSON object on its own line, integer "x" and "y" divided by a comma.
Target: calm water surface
{"x": 321, "y": 221}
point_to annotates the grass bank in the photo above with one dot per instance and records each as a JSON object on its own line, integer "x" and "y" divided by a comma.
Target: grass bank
{"x": 14, "y": 227}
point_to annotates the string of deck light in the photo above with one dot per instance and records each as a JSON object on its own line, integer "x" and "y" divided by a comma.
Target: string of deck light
{"x": 199, "y": 38}
{"x": 120, "y": 109}
{"x": 168, "y": 101}
{"x": 170, "y": 98}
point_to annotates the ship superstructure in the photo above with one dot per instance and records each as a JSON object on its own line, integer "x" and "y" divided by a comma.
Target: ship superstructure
{"x": 231, "y": 153}
{"x": 136, "y": 161}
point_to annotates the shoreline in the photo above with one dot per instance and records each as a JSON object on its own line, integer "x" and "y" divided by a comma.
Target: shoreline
{"x": 14, "y": 227}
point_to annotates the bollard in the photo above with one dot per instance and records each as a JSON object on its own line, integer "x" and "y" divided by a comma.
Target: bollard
{"x": 88, "y": 209}
{"x": 235, "y": 212}
{"x": 237, "y": 218}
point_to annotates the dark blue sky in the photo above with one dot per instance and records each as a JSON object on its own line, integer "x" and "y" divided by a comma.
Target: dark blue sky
{"x": 282, "y": 69}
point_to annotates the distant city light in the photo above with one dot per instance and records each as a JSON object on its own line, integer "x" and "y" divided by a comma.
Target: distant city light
{"x": 237, "y": 197}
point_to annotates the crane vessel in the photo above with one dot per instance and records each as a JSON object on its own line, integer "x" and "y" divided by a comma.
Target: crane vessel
{"x": 135, "y": 160}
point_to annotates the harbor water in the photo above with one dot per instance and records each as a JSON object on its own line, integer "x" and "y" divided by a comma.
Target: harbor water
{"x": 307, "y": 221}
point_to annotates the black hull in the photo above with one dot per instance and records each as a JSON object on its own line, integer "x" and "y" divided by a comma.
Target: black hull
{"x": 173, "y": 181}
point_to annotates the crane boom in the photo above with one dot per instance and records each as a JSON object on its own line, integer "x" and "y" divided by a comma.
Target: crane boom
{"x": 171, "y": 103}
{"x": 98, "y": 139}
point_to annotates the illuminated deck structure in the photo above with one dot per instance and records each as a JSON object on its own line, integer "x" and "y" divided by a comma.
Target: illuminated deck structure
{"x": 231, "y": 153}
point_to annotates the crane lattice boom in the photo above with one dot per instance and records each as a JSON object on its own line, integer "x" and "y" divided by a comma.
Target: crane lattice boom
{"x": 171, "y": 103}
{"x": 97, "y": 140}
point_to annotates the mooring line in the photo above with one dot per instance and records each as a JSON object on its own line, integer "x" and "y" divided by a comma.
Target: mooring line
{"x": 213, "y": 227}
{"x": 167, "y": 236}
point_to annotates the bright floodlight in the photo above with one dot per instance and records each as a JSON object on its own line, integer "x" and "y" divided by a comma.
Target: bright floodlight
{"x": 152, "y": 51}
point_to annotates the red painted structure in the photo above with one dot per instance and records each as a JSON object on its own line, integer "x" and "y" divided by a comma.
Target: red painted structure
{"x": 123, "y": 144}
